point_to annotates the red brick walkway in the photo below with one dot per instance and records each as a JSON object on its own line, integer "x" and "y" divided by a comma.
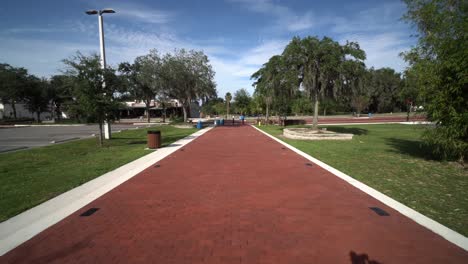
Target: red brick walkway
{"x": 236, "y": 196}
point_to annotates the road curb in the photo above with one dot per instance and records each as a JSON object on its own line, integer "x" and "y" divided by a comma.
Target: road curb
{"x": 13, "y": 149}
{"x": 64, "y": 140}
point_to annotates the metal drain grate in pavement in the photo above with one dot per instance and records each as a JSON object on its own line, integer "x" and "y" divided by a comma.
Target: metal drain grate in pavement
{"x": 157, "y": 166}
{"x": 89, "y": 212}
{"x": 309, "y": 164}
{"x": 379, "y": 211}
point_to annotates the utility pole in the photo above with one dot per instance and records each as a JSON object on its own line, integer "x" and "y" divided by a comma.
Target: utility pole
{"x": 107, "y": 125}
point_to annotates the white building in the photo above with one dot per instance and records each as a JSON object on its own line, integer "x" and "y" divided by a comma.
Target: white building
{"x": 137, "y": 108}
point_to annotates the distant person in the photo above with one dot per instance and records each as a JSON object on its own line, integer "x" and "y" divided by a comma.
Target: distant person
{"x": 242, "y": 118}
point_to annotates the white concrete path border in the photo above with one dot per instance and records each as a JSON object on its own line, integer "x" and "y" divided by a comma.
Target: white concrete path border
{"x": 445, "y": 232}
{"x": 26, "y": 225}
{"x": 374, "y": 123}
{"x": 52, "y": 125}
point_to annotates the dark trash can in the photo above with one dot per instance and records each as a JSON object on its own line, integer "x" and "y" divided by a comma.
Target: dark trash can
{"x": 154, "y": 139}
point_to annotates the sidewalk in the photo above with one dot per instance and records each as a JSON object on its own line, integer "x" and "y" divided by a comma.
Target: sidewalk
{"x": 235, "y": 195}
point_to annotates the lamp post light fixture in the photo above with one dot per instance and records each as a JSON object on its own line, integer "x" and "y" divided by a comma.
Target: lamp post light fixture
{"x": 107, "y": 126}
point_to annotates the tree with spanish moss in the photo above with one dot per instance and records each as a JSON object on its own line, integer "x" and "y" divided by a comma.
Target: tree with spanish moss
{"x": 318, "y": 65}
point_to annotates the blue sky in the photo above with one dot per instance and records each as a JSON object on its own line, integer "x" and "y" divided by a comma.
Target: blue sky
{"x": 237, "y": 35}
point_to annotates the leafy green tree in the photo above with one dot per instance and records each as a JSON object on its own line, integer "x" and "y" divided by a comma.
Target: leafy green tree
{"x": 144, "y": 78}
{"x": 212, "y": 106}
{"x": 383, "y": 88}
{"x": 188, "y": 77}
{"x": 228, "y": 98}
{"x": 409, "y": 92}
{"x": 93, "y": 88}
{"x": 13, "y": 82}
{"x": 36, "y": 96}
{"x": 277, "y": 83}
{"x": 257, "y": 104}
{"x": 353, "y": 74}
{"x": 318, "y": 64}
{"x": 60, "y": 94}
{"x": 220, "y": 108}
{"x": 242, "y": 101}
{"x": 440, "y": 63}
{"x": 328, "y": 105}
{"x": 301, "y": 106}
{"x": 359, "y": 103}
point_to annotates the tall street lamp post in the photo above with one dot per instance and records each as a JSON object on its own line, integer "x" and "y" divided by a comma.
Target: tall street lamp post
{"x": 107, "y": 126}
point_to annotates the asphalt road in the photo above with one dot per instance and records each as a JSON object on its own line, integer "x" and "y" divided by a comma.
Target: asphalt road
{"x": 17, "y": 138}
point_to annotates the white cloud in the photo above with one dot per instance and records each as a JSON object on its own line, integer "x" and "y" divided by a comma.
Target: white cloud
{"x": 300, "y": 23}
{"x": 41, "y": 57}
{"x": 234, "y": 74}
{"x": 127, "y": 44}
{"x": 383, "y": 49}
{"x": 31, "y": 30}
{"x": 380, "y": 33}
{"x": 377, "y": 30}
{"x": 67, "y": 26}
{"x": 231, "y": 75}
{"x": 286, "y": 18}
{"x": 233, "y": 70}
{"x": 262, "y": 53}
{"x": 136, "y": 12}
{"x": 384, "y": 18}
{"x": 123, "y": 44}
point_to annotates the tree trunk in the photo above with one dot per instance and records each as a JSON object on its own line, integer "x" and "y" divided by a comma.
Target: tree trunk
{"x": 13, "y": 106}
{"x": 184, "y": 109}
{"x": 408, "y": 112}
{"x": 101, "y": 136}
{"x": 38, "y": 114}
{"x": 164, "y": 113}
{"x": 148, "y": 110}
{"x": 58, "y": 113}
{"x": 316, "y": 109}
{"x": 52, "y": 112}
{"x": 227, "y": 109}
{"x": 267, "y": 113}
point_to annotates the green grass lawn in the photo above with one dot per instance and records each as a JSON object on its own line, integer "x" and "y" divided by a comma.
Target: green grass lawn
{"x": 390, "y": 158}
{"x": 30, "y": 177}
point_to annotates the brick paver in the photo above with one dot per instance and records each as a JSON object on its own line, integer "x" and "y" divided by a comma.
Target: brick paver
{"x": 236, "y": 196}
